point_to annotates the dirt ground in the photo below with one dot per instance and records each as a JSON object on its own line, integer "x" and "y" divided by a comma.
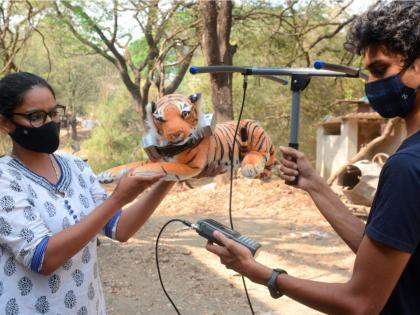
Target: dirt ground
{"x": 284, "y": 220}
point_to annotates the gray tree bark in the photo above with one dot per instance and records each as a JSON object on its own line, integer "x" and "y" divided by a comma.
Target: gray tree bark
{"x": 217, "y": 25}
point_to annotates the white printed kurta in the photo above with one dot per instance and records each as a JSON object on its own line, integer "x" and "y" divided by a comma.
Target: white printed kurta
{"x": 31, "y": 211}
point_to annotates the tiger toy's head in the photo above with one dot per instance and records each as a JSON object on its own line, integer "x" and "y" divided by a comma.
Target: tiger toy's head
{"x": 174, "y": 118}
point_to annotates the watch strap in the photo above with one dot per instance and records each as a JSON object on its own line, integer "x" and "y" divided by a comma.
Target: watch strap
{"x": 272, "y": 283}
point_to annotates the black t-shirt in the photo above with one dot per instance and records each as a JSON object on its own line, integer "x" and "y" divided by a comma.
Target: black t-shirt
{"x": 394, "y": 220}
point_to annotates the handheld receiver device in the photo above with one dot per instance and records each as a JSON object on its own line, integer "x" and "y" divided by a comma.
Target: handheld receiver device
{"x": 206, "y": 227}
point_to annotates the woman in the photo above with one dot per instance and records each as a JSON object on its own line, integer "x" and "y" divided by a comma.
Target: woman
{"x": 52, "y": 207}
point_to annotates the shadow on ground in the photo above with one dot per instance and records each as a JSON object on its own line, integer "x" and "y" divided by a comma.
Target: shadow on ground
{"x": 293, "y": 234}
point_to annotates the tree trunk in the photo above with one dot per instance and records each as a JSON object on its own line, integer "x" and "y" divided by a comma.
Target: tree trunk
{"x": 73, "y": 124}
{"x": 217, "y": 24}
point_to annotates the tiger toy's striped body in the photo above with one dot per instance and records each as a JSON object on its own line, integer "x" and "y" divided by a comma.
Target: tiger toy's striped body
{"x": 176, "y": 118}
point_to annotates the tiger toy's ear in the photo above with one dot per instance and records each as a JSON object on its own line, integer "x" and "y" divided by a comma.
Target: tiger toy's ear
{"x": 194, "y": 98}
{"x": 150, "y": 109}
{"x": 152, "y": 106}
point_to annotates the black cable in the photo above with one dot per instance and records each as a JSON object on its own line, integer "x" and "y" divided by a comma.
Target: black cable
{"x": 244, "y": 86}
{"x": 187, "y": 223}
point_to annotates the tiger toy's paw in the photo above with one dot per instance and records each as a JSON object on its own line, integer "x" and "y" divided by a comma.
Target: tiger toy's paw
{"x": 265, "y": 175}
{"x": 113, "y": 174}
{"x": 106, "y": 177}
{"x": 253, "y": 165}
{"x": 252, "y": 170}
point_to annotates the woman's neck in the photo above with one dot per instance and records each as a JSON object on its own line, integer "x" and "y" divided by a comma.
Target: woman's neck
{"x": 28, "y": 157}
{"x": 39, "y": 163}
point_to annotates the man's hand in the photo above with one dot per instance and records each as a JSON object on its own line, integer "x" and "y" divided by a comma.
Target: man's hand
{"x": 239, "y": 258}
{"x": 302, "y": 168}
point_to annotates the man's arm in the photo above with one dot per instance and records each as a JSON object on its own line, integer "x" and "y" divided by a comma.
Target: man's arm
{"x": 346, "y": 225}
{"x": 376, "y": 271}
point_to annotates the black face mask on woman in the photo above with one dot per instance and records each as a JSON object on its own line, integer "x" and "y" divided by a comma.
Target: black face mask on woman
{"x": 44, "y": 139}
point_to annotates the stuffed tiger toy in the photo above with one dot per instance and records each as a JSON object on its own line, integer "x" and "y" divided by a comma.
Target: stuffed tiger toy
{"x": 175, "y": 120}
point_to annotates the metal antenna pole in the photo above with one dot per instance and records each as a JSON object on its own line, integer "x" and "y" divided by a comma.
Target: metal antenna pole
{"x": 299, "y": 83}
{"x": 300, "y": 80}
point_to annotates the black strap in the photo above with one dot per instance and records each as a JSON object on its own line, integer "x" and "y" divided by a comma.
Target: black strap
{"x": 272, "y": 283}
{"x": 173, "y": 149}
{"x": 244, "y": 134}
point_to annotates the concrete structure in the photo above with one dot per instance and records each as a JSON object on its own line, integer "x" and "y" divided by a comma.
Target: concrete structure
{"x": 340, "y": 138}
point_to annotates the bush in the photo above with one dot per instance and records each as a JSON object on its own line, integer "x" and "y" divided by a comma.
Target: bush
{"x": 116, "y": 139}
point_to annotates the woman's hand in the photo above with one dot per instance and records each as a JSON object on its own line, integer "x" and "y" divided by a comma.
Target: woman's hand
{"x": 302, "y": 168}
{"x": 131, "y": 185}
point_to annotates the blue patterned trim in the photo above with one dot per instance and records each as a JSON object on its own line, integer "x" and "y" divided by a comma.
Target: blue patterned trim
{"x": 29, "y": 174}
{"x": 59, "y": 162}
{"x": 111, "y": 223}
{"x": 63, "y": 182}
{"x": 39, "y": 253}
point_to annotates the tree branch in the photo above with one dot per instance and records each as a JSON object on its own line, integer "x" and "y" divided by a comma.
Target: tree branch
{"x": 115, "y": 13}
{"x": 171, "y": 88}
{"x": 81, "y": 38}
{"x": 333, "y": 33}
{"x": 48, "y": 51}
{"x": 181, "y": 73}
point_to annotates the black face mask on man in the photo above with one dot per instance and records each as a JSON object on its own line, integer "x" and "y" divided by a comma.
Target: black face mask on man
{"x": 44, "y": 139}
{"x": 390, "y": 97}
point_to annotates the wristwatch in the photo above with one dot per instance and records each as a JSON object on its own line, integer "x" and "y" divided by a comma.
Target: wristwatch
{"x": 272, "y": 283}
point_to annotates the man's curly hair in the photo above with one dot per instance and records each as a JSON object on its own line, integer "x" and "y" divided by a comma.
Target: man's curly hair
{"x": 395, "y": 26}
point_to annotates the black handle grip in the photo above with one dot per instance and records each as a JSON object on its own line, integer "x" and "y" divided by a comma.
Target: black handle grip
{"x": 295, "y": 181}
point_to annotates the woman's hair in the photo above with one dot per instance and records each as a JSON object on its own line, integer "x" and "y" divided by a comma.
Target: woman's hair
{"x": 395, "y": 26}
{"x": 13, "y": 88}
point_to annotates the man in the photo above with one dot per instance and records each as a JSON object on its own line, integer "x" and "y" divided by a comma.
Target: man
{"x": 386, "y": 274}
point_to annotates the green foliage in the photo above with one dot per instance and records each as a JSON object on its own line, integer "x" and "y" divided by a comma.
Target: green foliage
{"x": 116, "y": 139}
{"x": 270, "y": 42}
{"x": 91, "y": 86}
{"x": 138, "y": 50}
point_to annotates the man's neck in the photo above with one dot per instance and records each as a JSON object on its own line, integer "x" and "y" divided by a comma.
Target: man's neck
{"x": 412, "y": 121}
